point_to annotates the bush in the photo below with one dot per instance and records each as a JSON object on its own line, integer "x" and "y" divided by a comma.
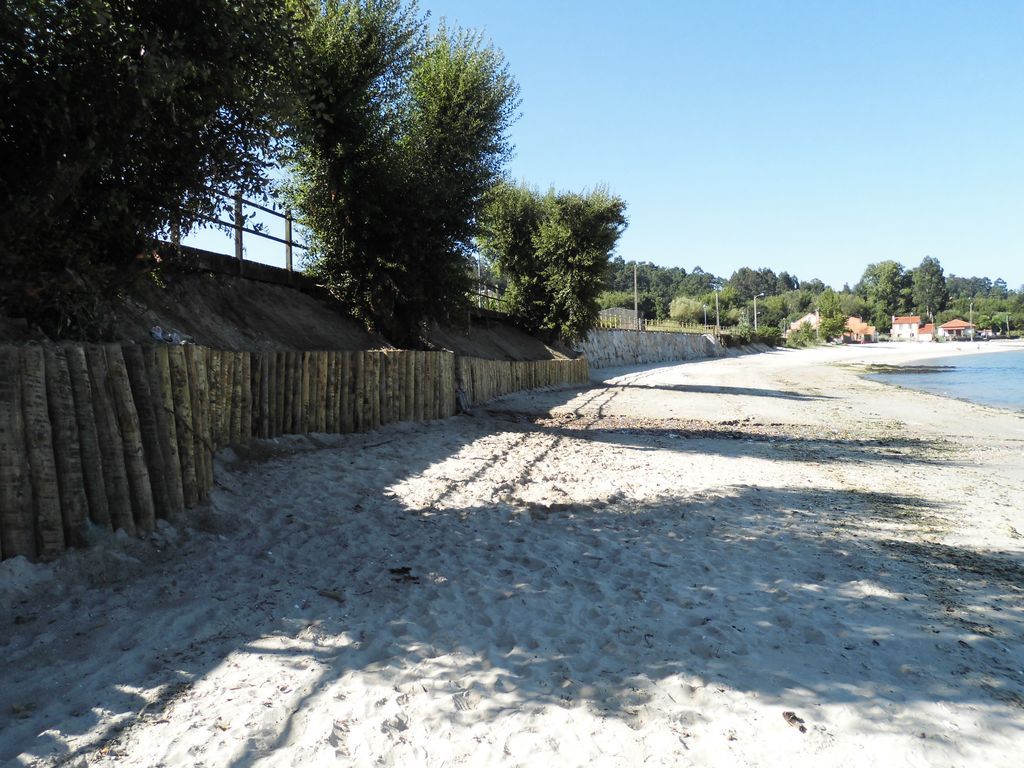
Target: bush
{"x": 804, "y": 336}
{"x": 686, "y": 310}
{"x": 744, "y": 335}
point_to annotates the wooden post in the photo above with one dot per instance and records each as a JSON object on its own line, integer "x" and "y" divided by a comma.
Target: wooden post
{"x": 245, "y": 366}
{"x": 288, "y": 394}
{"x": 451, "y": 407}
{"x": 88, "y": 441}
{"x": 384, "y": 361}
{"x": 409, "y": 369}
{"x": 265, "y": 396}
{"x": 239, "y": 222}
{"x": 394, "y": 365}
{"x": 374, "y": 388}
{"x": 66, "y": 451}
{"x": 435, "y": 381}
{"x": 417, "y": 363}
{"x": 382, "y": 387}
{"x": 111, "y": 443}
{"x": 183, "y": 421}
{"x": 281, "y": 393}
{"x": 359, "y": 420}
{"x": 321, "y": 392}
{"x": 143, "y": 512}
{"x": 273, "y": 384}
{"x": 233, "y": 399}
{"x": 156, "y": 462}
{"x": 294, "y": 393}
{"x": 305, "y": 392}
{"x": 222, "y": 413}
{"x": 231, "y": 406}
{"x": 17, "y": 531}
{"x": 288, "y": 240}
{"x": 195, "y": 363}
{"x": 158, "y": 368}
{"x": 331, "y": 393}
{"x": 347, "y": 399}
{"x": 215, "y": 371}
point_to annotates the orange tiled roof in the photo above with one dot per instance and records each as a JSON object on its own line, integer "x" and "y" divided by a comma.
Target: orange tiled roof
{"x": 907, "y": 320}
{"x": 926, "y": 329}
{"x": 954, "y": 324}
{"x": 856, "y": 325}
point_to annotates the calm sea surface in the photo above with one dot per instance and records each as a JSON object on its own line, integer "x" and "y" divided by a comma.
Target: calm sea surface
{"x": 995, "y": 378}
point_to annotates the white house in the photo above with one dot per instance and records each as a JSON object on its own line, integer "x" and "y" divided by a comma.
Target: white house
{"x": 956, "y": 329}
{"x": 905, "y": 327}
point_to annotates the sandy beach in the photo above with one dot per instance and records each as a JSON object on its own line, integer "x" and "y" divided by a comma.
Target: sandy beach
{"x": 756, "y": 561}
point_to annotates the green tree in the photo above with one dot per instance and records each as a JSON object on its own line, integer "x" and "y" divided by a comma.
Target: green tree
{"x": 117, "y": 117}
{"x": 748, "y": 282}
{"x": 462, "y": 102}
{"x": 553, "y": 250}
{"x": 929, "y": 287}
{"x": 886, "y": 288}
{"x": 698, "y": 282}
{"x": 398, "y": 137}
{"x": 833, "y": 319}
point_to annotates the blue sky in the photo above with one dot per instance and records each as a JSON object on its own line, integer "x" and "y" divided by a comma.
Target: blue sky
{"x": 810, "y": 137}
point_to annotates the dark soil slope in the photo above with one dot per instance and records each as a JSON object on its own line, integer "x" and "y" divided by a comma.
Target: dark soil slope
{"x": 228, "y": 312}
{"x": 205, "y": 299}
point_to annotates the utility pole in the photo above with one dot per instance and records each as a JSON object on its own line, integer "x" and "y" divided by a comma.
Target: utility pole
{"x": 636, "y": 299}
{"x": 755, "y": 310}
{"x": 718, "y": 326}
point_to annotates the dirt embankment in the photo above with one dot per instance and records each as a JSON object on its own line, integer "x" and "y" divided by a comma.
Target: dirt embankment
{"x": 265, "y": 310}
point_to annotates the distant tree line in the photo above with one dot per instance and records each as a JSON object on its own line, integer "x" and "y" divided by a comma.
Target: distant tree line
{"x": 885, "y": 289}
{"x": 393, "y": 138}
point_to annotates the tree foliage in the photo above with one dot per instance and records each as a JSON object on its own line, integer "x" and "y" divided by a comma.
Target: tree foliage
{"x": 886, "y": 287}
{"x": 648, "y": 304}
{"x": 833, "y": 319}
{"x": 929, "y": 287}
{"x": 687, "y": 310}
{"x": 553, "y": 250}
{"x": 117, "y": 117}
{"x": 748, "y": 282}
{"x": 398, "y": 138}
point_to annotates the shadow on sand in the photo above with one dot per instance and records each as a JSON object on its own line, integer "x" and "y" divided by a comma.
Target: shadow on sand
{"x": 805, "y": 596}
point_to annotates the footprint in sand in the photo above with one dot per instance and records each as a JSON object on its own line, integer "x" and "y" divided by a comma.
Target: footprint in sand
{"x": 465, "y": 701}
{"x": 782, "y": 620}
{"x": 814, "y": 637}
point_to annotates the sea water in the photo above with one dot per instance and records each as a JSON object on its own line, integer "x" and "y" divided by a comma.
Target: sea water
{"x": 995, "y": 378}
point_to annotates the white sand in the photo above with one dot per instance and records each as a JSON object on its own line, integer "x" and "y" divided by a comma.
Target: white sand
{"x": 651, "y": 574}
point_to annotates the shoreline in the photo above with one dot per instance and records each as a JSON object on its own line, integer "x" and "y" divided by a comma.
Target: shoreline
{"x": 652, "y": 569}
{"x": 971, "y": 349}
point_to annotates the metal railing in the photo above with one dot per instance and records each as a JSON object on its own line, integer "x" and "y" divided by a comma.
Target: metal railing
{"x": 655, "y": 326}
{"x": 238, "y": 226}
{"x": 487, "y": 296}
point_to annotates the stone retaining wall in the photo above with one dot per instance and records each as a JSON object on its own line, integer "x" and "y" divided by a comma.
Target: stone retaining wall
{"x": 615, "y": 348}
